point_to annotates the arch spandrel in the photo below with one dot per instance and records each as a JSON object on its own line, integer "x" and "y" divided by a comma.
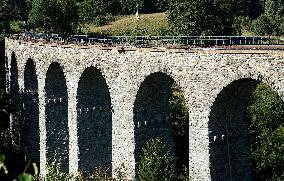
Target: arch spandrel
{"x": 246, "y": 74}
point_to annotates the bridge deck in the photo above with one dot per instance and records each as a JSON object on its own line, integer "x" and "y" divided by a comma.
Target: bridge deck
{"x": 236, "y": 49}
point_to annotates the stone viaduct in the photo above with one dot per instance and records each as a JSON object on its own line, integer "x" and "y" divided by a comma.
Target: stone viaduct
{"x": 96, "y": 106}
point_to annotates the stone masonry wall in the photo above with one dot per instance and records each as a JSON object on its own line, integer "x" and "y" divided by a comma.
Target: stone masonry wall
{"x": 202, "y": 75}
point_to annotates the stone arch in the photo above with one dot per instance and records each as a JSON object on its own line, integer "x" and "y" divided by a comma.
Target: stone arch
{"x": 94, "y": 117}
{"x": 30, "y": 129}
{"x": 229, "y": 148}
{"x": 152, "y": 116}
{"x": 56, "y": 112}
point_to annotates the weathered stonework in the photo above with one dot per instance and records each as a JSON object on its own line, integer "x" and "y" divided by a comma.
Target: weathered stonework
{"x": 201, "y": 75}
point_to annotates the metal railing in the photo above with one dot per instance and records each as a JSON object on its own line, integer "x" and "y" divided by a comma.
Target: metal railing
{"x": 151, "y": 41}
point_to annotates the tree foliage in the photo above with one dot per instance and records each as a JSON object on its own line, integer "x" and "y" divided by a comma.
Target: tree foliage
{"x": 90, "y": 9}
{"x": 156, "y": 162}
{"x": 201, "y": 17}
{"x": 189, "y": 17}
{"x": 271, "y": 22}
{"x": 152, "y": 6}
{"x": 12, "y": 10}
{"x": 58, "y": 16}
{"x": 179, "y": 119}
{"x": 248, "y": 8}
{"x": 130, "y": 6}
{"x": 266, "y": 114}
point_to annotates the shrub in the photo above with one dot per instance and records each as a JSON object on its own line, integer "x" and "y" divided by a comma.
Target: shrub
{"x": 184, "y": 175}
{"x": 263, "y": 26}
{"x": 17, "y": 26}
{"x": 242, "y": 25}
{"x": 156, "y": 162}
{"x": 54, "y": 171}
{"x": 266, "y": 114}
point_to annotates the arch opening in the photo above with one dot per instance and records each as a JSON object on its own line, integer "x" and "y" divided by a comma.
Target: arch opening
{"x": 56, "y": 112}
{"x": 30, "y": 129}
{"x": 229, "y": 142}
{"x": 94, "y": 115}
{"x": 160, "y": 111}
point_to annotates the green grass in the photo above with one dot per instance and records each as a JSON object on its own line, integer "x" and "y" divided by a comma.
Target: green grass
{"x": 147, "y": 24}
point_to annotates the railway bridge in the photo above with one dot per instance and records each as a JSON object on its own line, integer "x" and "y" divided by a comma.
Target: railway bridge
{"x": 95, "y": 106}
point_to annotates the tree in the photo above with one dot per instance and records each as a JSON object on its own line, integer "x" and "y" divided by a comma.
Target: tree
{"x": 90, "y": 9}
{"x": 68, "y": 21}
{"x": 271, "y": 22}
{"x": 179, "y": 120}
{"x": 127, "y": 6}
{"x": 11, "y": 10}
{"x": 201, "y": 17}
{"x": 162, "y": 5}
{"x": 156, "y": 162}
{"x": 153, "y": 6}
{"x": 59, "y": 16}
{"x": 266, "y": 115}
{"x": 249, "y": 8}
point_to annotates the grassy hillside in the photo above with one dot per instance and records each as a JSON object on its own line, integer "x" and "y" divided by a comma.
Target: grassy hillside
{"x": 147, "y": 24}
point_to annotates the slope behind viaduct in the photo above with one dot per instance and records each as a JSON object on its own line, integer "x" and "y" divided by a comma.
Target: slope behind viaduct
{"x": 96, "y": 106}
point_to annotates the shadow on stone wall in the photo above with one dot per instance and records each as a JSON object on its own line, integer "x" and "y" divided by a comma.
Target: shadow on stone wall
{"x": 30, "y": 131}
{"x": 56, "y": 112}
{"x": 15, "y": 101}
{"x": 228, "y": 133}
{"x": 152, "y": 112}
{"x": 2, "y": 66}
{"x": 94, "y": 121}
